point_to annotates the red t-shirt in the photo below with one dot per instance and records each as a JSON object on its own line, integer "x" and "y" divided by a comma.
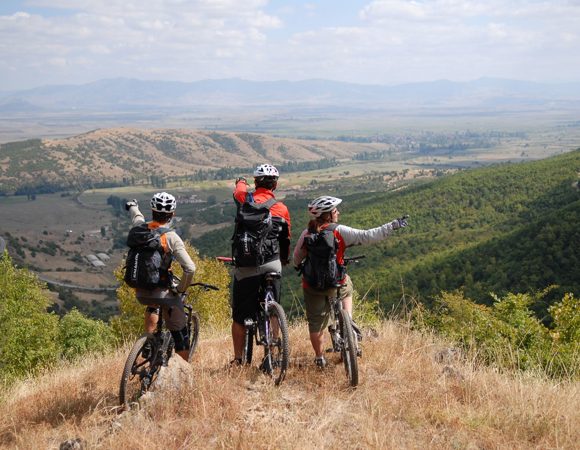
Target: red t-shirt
{"x": 262, "y": 195}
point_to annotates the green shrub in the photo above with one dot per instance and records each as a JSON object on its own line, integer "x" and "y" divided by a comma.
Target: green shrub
{"x": 28, "y": 333}
{"x": 566, "y": 336}
{"x": 366, "y": 311}
{"x": 79, "y": 335}
{"x": 566, "y": 315}
{"x": 507, "y": 334}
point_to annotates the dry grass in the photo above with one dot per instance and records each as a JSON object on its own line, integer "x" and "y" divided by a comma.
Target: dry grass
{"x": 406, "y": 400}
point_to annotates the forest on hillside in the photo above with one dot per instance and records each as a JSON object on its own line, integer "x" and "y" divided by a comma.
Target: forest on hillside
{"x": 503, "y": 228}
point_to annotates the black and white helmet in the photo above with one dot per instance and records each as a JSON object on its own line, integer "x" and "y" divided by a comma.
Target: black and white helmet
{"x": 323, "y": 204}
{"x": 266, "y": 170}
{"x": 163, "y": 202}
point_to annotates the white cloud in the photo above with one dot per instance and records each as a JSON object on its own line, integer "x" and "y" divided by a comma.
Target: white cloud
{"x": 388, "y": 41}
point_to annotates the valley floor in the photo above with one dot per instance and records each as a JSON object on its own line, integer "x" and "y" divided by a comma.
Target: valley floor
{"x": 412, "y": 395}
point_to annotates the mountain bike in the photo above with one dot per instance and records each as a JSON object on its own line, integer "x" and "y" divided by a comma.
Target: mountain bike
{"x": 268, "y": 328}
{"x": 153, "y": 351}
{"x": 342, "y": 333}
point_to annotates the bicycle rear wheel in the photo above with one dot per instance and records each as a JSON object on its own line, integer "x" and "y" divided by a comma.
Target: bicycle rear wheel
{"x": 193, "y": 335}
{"x": 348, "y": 348}
{"x": 276, "y": 346}
{"x": 139, "y": 371}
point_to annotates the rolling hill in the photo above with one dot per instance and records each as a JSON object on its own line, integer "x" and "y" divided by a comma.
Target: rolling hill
{"x": 127, "y": 156}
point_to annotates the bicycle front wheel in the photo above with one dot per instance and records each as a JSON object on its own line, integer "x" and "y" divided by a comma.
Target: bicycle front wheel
{"x": 193, "y": 335}
{"x": 248, "y": 349}
{"x": 139, "y": 371}
{"x": 276, "y": 347}
{"x": 348, "y": 348}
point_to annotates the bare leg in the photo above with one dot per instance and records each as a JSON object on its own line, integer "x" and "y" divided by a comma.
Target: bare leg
{"x": 238, "y": 335}
{"x": 151, "y": 320}
{"x": 317, "y": 341}
{"x": 347, "y": 305}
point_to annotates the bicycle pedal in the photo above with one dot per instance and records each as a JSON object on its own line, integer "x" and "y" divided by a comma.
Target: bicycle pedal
{"x": 266, "y": 366}
{"x": 332, "y": 350}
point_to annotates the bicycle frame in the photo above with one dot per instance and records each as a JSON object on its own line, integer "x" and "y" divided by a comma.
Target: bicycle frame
{"x": 153, "y": 351}
{"x": 260, "y": 322}
{"x": 342, "y": 334}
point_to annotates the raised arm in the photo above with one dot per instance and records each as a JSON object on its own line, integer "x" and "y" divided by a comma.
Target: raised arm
{"x": 354, "y": 236}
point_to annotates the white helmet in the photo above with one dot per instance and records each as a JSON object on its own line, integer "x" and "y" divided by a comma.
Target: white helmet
{"x": 163, "y": 202}
{"x": 266, "y": 170}
{"x": 323, "y": 204}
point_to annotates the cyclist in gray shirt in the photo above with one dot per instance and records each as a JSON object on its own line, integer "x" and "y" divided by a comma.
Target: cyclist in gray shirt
{"x": 169, "y": 298}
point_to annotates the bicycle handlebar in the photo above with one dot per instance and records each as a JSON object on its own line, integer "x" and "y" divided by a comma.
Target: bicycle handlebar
{"x": 206, "y": 286}
{"x": 353, "y": 258}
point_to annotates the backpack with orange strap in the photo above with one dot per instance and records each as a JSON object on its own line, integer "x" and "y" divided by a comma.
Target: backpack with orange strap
{"x": 148, "y": 261}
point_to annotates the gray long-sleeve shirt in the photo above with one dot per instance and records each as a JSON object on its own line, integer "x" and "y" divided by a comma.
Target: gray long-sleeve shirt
{"x": 350, "y": 236}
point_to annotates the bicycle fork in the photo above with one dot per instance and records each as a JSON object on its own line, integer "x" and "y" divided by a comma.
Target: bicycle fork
{"x": 249, "y": 326}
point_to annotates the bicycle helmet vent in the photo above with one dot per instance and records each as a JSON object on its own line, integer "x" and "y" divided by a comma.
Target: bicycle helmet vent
{"x": 266, "y": 170}
{"x": 163, "y": 202}
{"x": 323, "y": 204}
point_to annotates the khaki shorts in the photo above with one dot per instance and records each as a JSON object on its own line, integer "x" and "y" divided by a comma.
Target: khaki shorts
{"x": 171, "y": 306}
{"x": 318, "y": 306}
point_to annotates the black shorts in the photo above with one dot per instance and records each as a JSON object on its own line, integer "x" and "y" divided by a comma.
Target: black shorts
{"x": 247, "y": 294}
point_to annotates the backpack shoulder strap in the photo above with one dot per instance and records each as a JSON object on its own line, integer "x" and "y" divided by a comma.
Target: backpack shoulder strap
{"x": 160, "y": 231}
{"x": 268, "y": 204}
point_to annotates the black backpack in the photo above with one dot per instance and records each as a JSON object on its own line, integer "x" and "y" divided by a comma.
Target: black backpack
{"x": 147, "y": 264}
{"x": 321, "y": 269}
{"x": 250, "y": 244}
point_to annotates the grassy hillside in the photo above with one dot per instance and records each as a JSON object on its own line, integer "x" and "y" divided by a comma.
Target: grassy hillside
{"x": 412, "y": 395}
{"x": 504, "y": 228}
{"x": 121, "y": 156}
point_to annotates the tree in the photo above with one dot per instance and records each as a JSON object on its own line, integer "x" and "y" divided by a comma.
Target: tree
{"x": 28, "y": 333}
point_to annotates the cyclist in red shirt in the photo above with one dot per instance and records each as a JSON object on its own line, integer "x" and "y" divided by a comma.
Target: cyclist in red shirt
{"x": 248, "y": 281}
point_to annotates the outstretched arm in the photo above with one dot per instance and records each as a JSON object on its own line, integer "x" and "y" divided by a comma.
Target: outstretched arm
{"x": 354, "y": 236}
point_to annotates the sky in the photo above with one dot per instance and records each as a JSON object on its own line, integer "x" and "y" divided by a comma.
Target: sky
{"x": 387, "y": 42}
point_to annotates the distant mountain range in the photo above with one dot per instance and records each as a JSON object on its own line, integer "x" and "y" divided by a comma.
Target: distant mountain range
{"x": 124, "y": 94}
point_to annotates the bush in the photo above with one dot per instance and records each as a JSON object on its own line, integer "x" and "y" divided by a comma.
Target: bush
{"x": 366, "y": 312}
{"x": 79, "y": 335}
{"x": 507, "y": 334}
{"x": 28, "y": 333}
